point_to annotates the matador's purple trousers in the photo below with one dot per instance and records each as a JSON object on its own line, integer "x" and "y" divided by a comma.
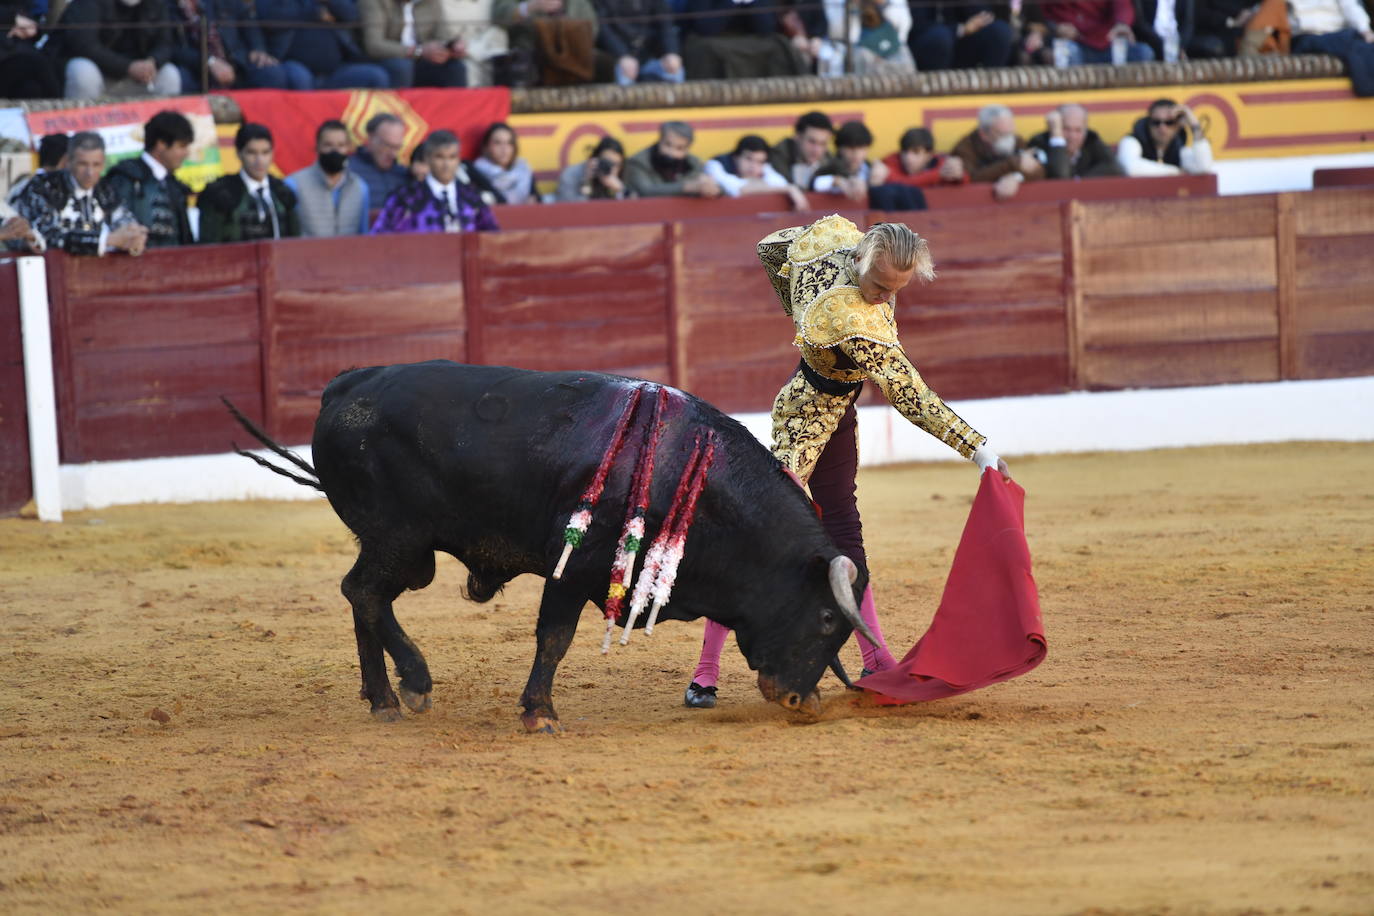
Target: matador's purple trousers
{"x": 833, "y": 485}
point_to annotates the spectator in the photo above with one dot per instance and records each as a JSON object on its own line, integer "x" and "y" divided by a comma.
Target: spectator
{"x": 1158, "y": 143}
{"x": 560, "y": 34}
{"x": 1068, "y": 149}
{"x": 418, "y": 167}
{"x": 946, "y": 35}
{"x": 993, "y": 152}
{"x": 805, "y": 25}
{"x": 414, "y": 43}
{"x": 148, "y": 187}
{"x": 251, "y": 205}
{"x": 863, "y": 182}
{"x": 26, "y": 71}
{"x": 799, "y": 157}
{"x": 322, "y": 44}
{"x": 330, "y": 198}
{"x": 746, "y": 171}
{"x": 72, "y": 210}
{"x": 737, "y": 39}
{"x": 1165, "y": 25}
{"x": 15, "y": 232}
{"x": 878, "y": 37}
{"x": 1218, "y": 27}
{"x": 118, "y": 47}
{"x": 482, "y": 38}
{"x": 440, "y": 203}
{"x": 598, "y": 178}
{"x": 1339, "y": 28}
{"x": 375, "y": 161}
{"x": 52, "y": 155}
{"x": 237, "y": 50}
{"x": 1091, "y": 25}
{"x": 667, "y": 168}
{"x": 643, "y": 40}
{"x": 500, "y": 164}
{"x": 917, "y": 164}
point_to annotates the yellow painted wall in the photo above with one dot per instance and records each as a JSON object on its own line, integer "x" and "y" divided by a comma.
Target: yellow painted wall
{"x": 1245, "y": 120}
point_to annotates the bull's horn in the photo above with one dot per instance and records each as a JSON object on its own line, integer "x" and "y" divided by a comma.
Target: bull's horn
{"x": 843, "y": 572}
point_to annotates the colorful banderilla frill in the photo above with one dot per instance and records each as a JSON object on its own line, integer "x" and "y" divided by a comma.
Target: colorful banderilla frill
{"x": 632, "y": 534}
{"x": 661, "y": 562}
{"x": 581, "y": 518}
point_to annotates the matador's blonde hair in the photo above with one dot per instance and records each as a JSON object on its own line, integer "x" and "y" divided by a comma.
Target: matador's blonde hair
{"x": 904, "y": 249}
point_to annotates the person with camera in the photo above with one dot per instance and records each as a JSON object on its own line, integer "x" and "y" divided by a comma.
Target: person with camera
{"x": 598, "y": 178}
{"x": 1170, "y": 140}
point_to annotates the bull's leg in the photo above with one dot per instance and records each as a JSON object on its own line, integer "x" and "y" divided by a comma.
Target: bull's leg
{"x": 370, "y": 587}
{"x": 558, "y": 613}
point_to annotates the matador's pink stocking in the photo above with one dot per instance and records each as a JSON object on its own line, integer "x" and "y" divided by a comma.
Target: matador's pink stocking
{"x": 876, "y": 658}
{"x": 708, "y": 668}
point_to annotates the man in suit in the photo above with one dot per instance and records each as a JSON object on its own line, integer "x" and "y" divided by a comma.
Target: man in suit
{"x": 252, "y": 204}
{"x": 445, "y": 201}
{"x": 148, "y": 187}
{"x": 71, "y": 210}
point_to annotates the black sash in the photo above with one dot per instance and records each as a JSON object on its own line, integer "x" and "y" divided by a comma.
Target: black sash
{"x": 827, "y": 385}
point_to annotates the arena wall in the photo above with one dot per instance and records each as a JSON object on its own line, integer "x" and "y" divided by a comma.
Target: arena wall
{"x": 1033, "y": 299}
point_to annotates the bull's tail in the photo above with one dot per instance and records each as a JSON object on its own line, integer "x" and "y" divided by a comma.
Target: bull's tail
{"x": 312, "y": 481}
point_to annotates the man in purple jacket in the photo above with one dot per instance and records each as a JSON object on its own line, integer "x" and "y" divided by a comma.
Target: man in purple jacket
{"x": 445, "y": 201}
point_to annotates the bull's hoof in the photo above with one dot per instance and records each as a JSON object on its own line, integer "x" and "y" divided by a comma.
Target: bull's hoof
{"x": 415, "y": 702}
{"x": 387, "y": 714}
{"x": 541, "y": 725}
{"x": 699, "y": 697}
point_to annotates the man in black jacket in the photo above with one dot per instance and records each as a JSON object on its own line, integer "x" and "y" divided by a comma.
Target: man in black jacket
{"x": 118, "y": 47}
{"x": 1068, "y": 149}
{"x": 147, "y": 185}
{"x": 70, "y": 210}
{"x": 252, "y": 204}
{"x": 642, "y": 38}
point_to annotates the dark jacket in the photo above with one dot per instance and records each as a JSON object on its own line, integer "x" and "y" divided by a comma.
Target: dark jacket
{"x": 114, "y": 35}
{"x": 234, "y": 21}
{"x": 381, "y": 183}
{"x": 229, "y": 214}
{"x": 1095, "y": 160}
{"x": 748, "y": 17}
{"x": 321, "y": 49}
{"x": 787, "y": 153}
{"x": 158, "y": 205}
{"x": 44, "y": 203}
{"x": 642, "y": 29}
{"x": 1141, "y": 131}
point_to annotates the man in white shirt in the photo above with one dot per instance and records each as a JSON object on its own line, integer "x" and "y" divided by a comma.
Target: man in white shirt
{"x": 1340, "y": 28}
{"x": 1170, "y": 140}
{"x": 252, "y": 204}
{"x": 747, "y": 171}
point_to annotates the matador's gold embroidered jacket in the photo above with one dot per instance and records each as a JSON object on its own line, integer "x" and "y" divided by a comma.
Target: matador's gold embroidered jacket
{"x": 844, "y": 339}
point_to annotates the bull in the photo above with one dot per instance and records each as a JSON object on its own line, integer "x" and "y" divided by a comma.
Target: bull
{"x": 486, "y": 463}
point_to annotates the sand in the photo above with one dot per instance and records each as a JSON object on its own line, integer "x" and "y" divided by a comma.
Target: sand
{"x": 180, "y": 728}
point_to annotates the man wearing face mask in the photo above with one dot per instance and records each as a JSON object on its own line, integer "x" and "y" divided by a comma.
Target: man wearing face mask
{"x": 839, "y": 286}
{"x": 251, "y": 205}
{"x": 666, "y": 169}
{"x": 330, "y": 199}
{"x": 117, "y": 47}
{"x": 994, "y": 153}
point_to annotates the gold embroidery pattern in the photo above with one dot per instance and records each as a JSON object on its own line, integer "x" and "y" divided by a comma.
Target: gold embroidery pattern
{"x": 772, "y": 252}
{"x": 840, "y": 313}
{"x": 822, "y": 238}
{"x": 908, "y": 392}
{"x": 804, "y": 419}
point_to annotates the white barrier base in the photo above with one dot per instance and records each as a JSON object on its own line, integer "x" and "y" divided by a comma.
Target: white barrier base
{"x": 1338, "y": 409}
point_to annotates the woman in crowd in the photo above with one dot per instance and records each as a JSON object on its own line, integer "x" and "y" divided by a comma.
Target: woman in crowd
{"x": 499, "y": 162}
{"x": 598, "y": 178}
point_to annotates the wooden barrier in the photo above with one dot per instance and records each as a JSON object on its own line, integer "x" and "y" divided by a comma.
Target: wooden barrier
{"x": 1342, "y": 178}
{"x": 16, "y": 481}
{"x": 1031, "y": 297}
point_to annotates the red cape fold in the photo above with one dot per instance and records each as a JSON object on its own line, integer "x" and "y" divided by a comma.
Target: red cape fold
{"x": 988, "y": 627}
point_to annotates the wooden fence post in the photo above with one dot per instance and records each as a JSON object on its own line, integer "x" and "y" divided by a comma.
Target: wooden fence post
{"x": 1286, "y": 242}
{"x": 473, "y": 304}
{"x": 678, "y": 370}
{"x": 1071, "y": 218}
{"x": 267, "y": 337}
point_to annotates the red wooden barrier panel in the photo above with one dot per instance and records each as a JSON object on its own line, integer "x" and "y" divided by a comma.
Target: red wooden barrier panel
{"x": 993, "y": 322}
{"x": 1333, "y": 248}
{"x": 553, "y": 299}
{"x": 333, "y": 304}
{"x": 1342, "y": 178}
{"x": 636, "y": 210}
{"x": 16, "y": 480}
{"x": 980, "y": 195}
{"x": 145, "y": 346}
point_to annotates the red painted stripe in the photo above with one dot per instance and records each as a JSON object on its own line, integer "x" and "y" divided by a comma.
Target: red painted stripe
{"x": 639, "y": 127}
{"x": 1311, "y": 95}
{"x": 538, "y": 130}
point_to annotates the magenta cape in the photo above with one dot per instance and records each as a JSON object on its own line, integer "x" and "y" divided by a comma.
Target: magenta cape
{"x": 987, "y": 628}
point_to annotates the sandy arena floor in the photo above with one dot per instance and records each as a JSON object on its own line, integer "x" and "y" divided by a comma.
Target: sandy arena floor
{"x": 180, "y": 728}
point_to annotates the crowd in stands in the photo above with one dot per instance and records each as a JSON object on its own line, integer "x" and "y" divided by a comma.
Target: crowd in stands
{"x": 73, "y": 203}
{"x": 88, "y": 48}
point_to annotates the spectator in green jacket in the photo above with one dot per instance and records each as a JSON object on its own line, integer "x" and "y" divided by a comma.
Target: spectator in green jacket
{"x": 252, "y": 204}
{"x": 148, "y": 187}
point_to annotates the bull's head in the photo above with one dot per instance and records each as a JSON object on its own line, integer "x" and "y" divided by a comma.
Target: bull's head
{"x": 792, "y": 658}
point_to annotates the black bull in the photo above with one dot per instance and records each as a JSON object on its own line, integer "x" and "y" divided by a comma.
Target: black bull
{"x": 486, "y": 463}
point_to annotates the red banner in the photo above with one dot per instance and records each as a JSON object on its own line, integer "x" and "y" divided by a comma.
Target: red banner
{"x": 293, "y": 116}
